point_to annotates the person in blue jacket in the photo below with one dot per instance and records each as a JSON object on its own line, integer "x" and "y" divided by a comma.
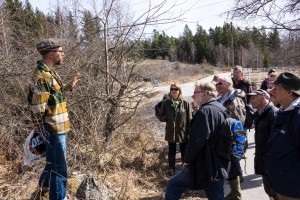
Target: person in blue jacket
{"x": 283, "y": 148}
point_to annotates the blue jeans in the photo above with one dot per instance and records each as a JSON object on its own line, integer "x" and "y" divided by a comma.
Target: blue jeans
{"x": 54, "y": 176}
{"x": 179, "y": 183}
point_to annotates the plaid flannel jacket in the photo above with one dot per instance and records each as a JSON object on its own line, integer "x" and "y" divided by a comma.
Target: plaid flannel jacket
{"x": 46, "y": 98}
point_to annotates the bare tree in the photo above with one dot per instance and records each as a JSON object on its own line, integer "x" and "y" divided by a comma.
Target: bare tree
{"x": 109, "y": 83}
{"x": 283, "y": 14}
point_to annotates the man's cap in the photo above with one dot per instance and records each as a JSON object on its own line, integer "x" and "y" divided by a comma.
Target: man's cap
{"x": 260, "y": 92}
{"x": 238, "y": 67}
{"x": 272, "y": 74}
{"x": 289, "y": 81}
{"x": 47, "y": 45}
{"x": 271, "y": 71}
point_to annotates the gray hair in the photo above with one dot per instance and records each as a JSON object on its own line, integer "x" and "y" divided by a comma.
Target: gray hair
{"x": 226, "y": 79}
{"x": 208, "y": 87}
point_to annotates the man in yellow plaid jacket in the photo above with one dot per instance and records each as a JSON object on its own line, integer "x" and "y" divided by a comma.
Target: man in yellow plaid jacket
{"x": 50, "y": 116}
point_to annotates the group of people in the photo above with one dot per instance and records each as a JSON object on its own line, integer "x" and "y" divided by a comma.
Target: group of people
{"x": 277, "y": 128}
{"x": 273, "y": 112}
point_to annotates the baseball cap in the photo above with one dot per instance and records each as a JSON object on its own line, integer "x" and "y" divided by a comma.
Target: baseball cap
{"x": 238, "y": 67}
{"x": 272, "y": 70}
{"x": 260, "y": 92}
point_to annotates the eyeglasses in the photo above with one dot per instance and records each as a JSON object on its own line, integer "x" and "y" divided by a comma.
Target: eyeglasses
{"x": 174, "y": 89}
{"x": 60, "y": 51}
{"x": 218, "y": 84}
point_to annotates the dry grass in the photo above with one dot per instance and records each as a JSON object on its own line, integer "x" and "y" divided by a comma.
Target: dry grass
{"x": 166, "y": 72}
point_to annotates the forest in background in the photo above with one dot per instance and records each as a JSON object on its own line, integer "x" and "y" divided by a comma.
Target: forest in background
{"x": 220, "y": 46}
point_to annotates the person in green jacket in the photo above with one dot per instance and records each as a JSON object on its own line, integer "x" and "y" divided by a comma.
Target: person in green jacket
{"x": 176, "y": 112}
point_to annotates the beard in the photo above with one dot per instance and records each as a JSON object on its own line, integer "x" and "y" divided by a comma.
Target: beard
{"x": 235, "y": 78}
{"x": 58, "y": 62}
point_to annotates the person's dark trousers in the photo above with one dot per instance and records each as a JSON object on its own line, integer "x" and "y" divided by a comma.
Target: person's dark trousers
{"x": 179, "y": 183}
{"x": 172, "y": 153}
{"x": 239, "y": 168}
{"x": 234, "y": 169}
{"x": 267, "y": 185}
{"x": 54, "y": 176}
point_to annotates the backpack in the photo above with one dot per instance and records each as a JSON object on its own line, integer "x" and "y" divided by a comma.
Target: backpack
{"x": 159, "y": 104}
{"x": 232, "y": 141}
{"x": 232, "y": 138}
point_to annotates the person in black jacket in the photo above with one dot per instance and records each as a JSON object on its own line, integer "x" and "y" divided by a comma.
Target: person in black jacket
{"x": 268, "y": 82}
{"x": 238, "y": 80}
{"x": 283, "y": 148}
{"x": 263, "y": 120}
{"x": 205, "y": 127}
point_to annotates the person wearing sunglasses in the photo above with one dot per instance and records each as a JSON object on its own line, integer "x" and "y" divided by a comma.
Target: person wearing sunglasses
{"x": 176, "y": 112}
{"x": 233, "y": 100}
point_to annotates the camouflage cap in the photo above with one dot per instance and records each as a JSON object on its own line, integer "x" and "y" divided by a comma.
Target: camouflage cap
{"x": 238, "y": 67}
{"x": 260, "y": 92}
{"x": 47, "y": 45}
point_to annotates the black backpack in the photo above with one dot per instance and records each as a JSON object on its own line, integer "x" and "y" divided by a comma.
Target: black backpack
{"x": 157, "y": 106}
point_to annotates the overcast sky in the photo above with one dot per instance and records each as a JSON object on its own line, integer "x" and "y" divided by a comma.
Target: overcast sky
{"x": 204, "y": 12}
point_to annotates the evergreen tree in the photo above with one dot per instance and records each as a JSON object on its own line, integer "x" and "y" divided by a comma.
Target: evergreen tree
{"x": 58, "y": 20}
{"x": 164, "y": 43}
{"x": 226, "y": 35}
{"x": 266, "y": 60}
{"x": 263, "y": 41}
{"x": 90, "y": 29}
{"x": 146, "y": 49}
{"x": 256, "y": 36}
{"x": 155, "y": 52}
{"x": 274, "y": 39}
{"x": 72, "y": 29}
{"x": 186, "y": 43}
{"x": 245, "y": 38}
{"x": 202, "y": 45}
{"x": 216, "y": 35}
{"x": 41, "y": 21}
